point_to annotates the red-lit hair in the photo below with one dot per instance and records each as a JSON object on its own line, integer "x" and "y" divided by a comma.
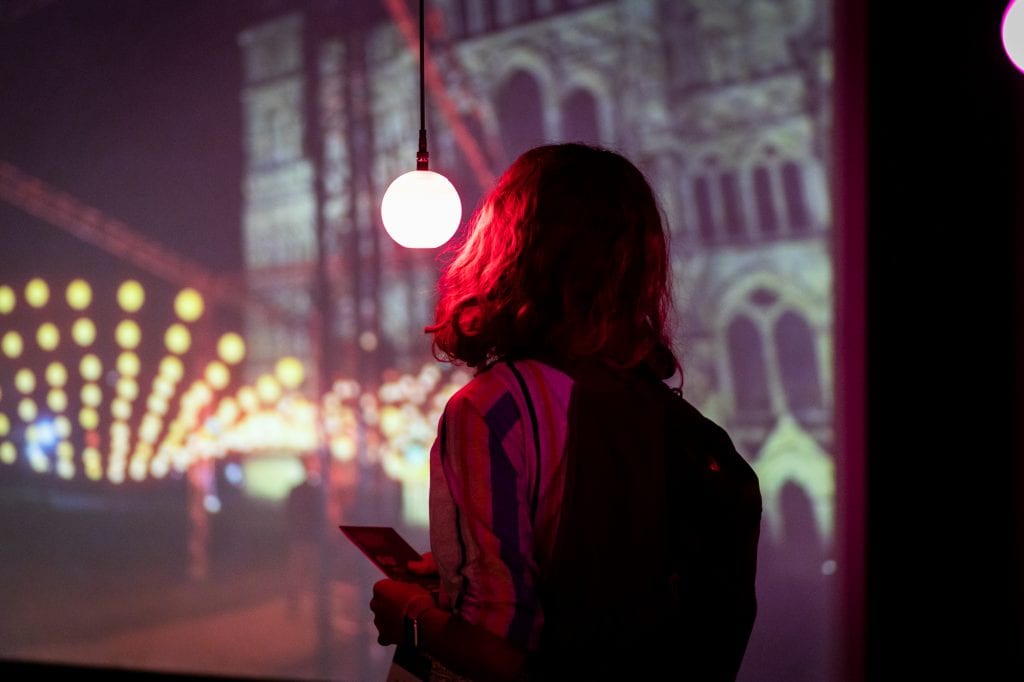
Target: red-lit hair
{"x": 566, "y": 260}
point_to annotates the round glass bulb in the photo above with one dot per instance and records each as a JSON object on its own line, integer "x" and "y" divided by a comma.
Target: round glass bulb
{"x": 1013, "y": 33}
{"x": 421, "y": 209}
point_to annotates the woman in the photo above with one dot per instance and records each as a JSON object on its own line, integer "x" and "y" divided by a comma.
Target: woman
{"x": 565, "y": 267}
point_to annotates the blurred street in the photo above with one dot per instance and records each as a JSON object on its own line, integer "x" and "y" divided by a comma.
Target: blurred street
{"x": 240, "y": 628}
{"x": 112, "y": 590}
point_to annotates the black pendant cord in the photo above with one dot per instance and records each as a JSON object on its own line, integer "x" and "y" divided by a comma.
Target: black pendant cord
{"x": 422, "y": 156}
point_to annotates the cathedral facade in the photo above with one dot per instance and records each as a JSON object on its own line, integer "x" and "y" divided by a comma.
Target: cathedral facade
{"x": 725, "y": 105}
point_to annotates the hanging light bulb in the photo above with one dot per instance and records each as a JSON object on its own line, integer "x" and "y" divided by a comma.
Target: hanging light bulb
{"x": 421, "y": 209}
{"x": 1013, "y": 33}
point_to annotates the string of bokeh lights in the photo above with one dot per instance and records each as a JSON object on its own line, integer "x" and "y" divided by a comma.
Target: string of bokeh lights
{"x": 191, "y": 410}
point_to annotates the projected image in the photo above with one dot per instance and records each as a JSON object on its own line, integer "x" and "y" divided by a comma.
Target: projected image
{"x": 178, "y": 445}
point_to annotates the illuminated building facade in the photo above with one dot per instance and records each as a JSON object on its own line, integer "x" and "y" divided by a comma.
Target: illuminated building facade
{"x": 724, "y": 104}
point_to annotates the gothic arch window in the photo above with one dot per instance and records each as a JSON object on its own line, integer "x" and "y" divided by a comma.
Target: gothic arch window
{"x": 732, "y": 203}
{"x": 519, "y": 114}
{"x": 798, "y": 366}
{"x": 767, "y": 217}
{"x": 705, "y": 210}
{"x": 804, "y": 548}
{"x": 579, "y": 118}
{"x": 796, "y": 199}
{"x": 749, "y": 374}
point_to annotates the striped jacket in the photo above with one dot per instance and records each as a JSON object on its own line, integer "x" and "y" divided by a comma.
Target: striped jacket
{"x": 494, "y": 500}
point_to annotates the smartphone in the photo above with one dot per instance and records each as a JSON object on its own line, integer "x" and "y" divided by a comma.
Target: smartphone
{"x": 389, "y": 552}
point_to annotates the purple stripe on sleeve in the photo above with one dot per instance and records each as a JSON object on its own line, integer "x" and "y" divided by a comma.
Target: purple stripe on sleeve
{"x": 501, "y": 418}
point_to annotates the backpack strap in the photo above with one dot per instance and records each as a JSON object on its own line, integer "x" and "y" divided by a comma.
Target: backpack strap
{"x": 536, "y": 435}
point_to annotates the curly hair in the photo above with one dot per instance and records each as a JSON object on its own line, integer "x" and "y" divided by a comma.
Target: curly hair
{"x": 565, "y": 260}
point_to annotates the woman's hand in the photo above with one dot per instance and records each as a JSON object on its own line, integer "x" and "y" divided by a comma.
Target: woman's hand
{"x": 425, "y": 566}
{"x": 389, "y": 603}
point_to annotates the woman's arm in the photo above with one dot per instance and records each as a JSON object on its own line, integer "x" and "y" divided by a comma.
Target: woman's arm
{"x": 462, "y": 647}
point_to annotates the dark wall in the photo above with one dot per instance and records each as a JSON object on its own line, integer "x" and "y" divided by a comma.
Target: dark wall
{"x": 944, "y": 112}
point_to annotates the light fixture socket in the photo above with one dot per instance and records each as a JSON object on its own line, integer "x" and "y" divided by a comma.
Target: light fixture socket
{"x": 422, "y": 155}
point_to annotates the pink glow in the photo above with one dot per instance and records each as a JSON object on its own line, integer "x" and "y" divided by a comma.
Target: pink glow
{"x": 1013, "y": 33}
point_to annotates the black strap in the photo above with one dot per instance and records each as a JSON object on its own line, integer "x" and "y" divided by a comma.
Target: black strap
{"x": 536, "y": 437}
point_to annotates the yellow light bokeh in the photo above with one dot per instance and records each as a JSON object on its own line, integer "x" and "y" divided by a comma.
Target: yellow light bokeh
{"x": 8, "y": 299}
{"x": 157, "y": 404}
{"x": 90, "y": 367}
{"x": 57, "y": 399}
{"x": 12, "y": 344}
{"x": 217, "y": 375}
{"x": 56, "y": 374}
{"x": 91, "y": 458}
{"x": 127, "y": 388}
{"x": 392, "y": 421}
{"x": 268, "y": 389}
{"x": 47, "y": 336}
{"x": 91, "y": 395}
{"x": 83, "y": 331}
{"x": 127, "y": 334}
{"x": 7, "y": 452}
{"x": 121, "y": 409}
{"x": 177, "y": 339}
{"x": 128, "y": 364}
{"x": 227, "y": 410}
{"x": 176, "y": 431}
{"x": 231, "y": 348}
{"x": 63, "y": 426}
{"x": 248, "y": 399}
{"x": 89, "y": 418}
{"x": 163, "y": 387}
{"x": 5, "y": 424}
{"x": 25, "y": 380}
{"x": 188, "y": 304}
{"x": 343, "y": 448}
{"x": 130, "y": 296}
{"x": 137, "y": 469}
{"x": 290, "y": 372}
{"x": 149, "y": 430}
{"x": 27, "y": 410}
{"x": 172, "y": 368}
{"x": 65, "y": 467}
{"x": 79, "y": 294}
{"x": 37, "y": 292}
{"x": 200, "y": 392}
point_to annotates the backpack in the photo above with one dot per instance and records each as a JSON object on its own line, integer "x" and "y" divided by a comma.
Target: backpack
{"x": 652, "y": 574}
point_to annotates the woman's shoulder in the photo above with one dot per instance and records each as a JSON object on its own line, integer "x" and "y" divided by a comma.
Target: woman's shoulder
{"x": 507, "y": 377}
{"x": 511, "y": 374}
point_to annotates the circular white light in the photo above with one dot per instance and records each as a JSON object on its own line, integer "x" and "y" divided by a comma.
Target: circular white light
{"x": 1013, "y": 33}
{"x": 421, "y": 209}
{"x": 211, "y": 503}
